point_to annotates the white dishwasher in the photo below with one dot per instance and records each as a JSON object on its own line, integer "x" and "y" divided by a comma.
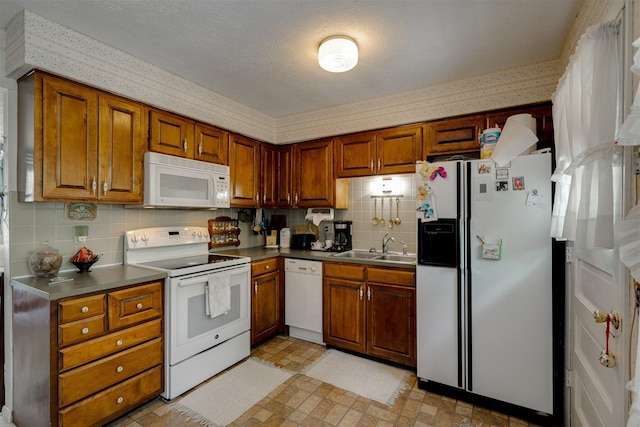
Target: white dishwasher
{"x": 303, "y": 299}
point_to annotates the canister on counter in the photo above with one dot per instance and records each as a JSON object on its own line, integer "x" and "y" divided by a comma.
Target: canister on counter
{"x": 488, "y": 141}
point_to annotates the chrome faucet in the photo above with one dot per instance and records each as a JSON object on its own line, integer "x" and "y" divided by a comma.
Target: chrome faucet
{"x": 385, "y": 242}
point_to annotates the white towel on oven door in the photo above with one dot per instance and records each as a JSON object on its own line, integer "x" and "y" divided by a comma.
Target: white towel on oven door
{"x": 218, "y": 294}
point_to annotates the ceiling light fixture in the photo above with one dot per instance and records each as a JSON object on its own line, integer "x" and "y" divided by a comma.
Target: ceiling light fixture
{"x": 338, "y": 54}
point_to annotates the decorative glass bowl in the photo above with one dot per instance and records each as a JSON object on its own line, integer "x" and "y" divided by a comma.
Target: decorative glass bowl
{"x": 83, "y": 267}
{"x": 45, "y": 261}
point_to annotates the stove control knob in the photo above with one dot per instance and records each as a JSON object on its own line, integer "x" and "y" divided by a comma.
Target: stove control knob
{"x": 134, "y": 238}
{"x": 144, "y": 237}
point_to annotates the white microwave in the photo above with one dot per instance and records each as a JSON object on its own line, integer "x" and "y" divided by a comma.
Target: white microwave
{"x": 174, "y": 182}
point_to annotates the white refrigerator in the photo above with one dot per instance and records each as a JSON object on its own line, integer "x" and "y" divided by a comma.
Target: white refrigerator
{"x": 484, "y": 279}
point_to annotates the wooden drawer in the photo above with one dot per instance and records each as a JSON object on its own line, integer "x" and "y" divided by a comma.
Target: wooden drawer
{"x": 88, "y": 379}
{"x": 264, "y": 266}
{"x": 134, "y": 305}
{"x": 80, "y": 308}
{"x": 391, "y": 276}
{"x": 80, "y": 354}
{"x": 344, "y": 271}
{"x": 81, "y": 330}
{"x": 114, "y": 401}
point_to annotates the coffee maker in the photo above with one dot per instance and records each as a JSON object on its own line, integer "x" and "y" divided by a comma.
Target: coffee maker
{"x": 341, "y": 236}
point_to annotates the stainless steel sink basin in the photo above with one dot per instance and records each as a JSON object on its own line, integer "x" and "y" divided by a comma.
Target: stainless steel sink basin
{"x": 397, "y": 258}
{"x": 357, "y": 254}
{"x": 377, "y": 256}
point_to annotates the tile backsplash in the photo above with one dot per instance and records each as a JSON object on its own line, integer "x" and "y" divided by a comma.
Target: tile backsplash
{"x": 32, "y": 223}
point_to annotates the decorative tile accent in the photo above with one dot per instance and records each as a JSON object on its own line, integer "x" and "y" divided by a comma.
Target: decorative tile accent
{"x": 35, "y": 42}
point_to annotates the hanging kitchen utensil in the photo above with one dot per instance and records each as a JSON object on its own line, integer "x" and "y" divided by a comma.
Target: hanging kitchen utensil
{"x": 390, "y": 213}
{"x": 382, "y": 222}
{"x": 375, "y": 220}
{"x": 257, "y": 227}
{"x": 397, "y": 221}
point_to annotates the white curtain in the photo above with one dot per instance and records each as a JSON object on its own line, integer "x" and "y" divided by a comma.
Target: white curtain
{"x": 585, "y": 117}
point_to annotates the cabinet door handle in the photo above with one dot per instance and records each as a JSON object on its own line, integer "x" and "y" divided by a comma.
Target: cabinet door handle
{"x": 120, "y": 368}
{"x": 84, "y": 309}
{"x": 296, "y": 198}
{"x": 368, "y": 293}
{"x": 94, "y": 185}
{"x": 184, "y": 145}
{"x": 139, "y": 306}
{"x": 379, "y": 163}
{"x": 255, "y": 287}
{"x": 257, "y": 197}
{"x": 288, "y": 198}
{"x": 105, "y": 187}
{"x": 85, "y": 331}
{"x": 371, "y": 165}
{"x": 200, "y": 148}
{"x": 361, "y": 293}
{"x": 264, "y": 198}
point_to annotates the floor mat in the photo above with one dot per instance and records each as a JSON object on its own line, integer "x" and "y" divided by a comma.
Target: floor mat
{"x": 225, "y": 398}
{"x": 365, "y": 377}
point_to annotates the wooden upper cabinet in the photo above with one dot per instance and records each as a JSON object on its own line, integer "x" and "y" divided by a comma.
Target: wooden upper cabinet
{"x": 269, "y": 173}
{"x": 315, "y": 185}
{"x": 244, "y": 165}
{"x": 457, "y": 135}
{"x": 399, "y": 149}
{"x": 179, "y": 136}
{"x": 284, "y": 165}
{"x": 91, "y": 144}
{"x": 211, "y": 144}
{"x": 121, "y": 146}
{"x": 541, "y": 113}
{"x": 356, "y": 154}
{"x": 387, "y": 151}
{"x": 171, "y": 134}
{"x": 69, "y": 144}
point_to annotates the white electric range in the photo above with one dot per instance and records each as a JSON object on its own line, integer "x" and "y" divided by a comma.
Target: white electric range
{"x": 207, "y": 302}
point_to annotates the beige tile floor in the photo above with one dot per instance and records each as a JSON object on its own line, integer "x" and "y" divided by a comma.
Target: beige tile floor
{"x": 303, "y": 401}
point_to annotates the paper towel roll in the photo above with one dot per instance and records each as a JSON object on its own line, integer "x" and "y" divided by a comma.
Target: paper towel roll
{"x": 518, "y": 135}
{"x": 317, "y": 218}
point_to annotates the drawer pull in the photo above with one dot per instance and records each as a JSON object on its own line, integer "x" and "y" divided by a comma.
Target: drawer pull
{"x": 119, "y": 343}
{"x": 119, "y": 368}
{"x": 139, "y": 306}
{"x": 85, "y": 309}
{"x": 120, "y": 399}
{"x": 266, "y": 267}
{"x": 85, "y": 331}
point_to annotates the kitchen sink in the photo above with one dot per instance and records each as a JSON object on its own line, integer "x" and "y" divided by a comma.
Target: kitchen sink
{"x": 397, "y": 258}
{"x": 357, "y": 254}
{"x": 376, "y": 256}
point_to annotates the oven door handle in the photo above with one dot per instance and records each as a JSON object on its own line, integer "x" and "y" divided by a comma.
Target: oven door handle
{"x": 194, "y": 281}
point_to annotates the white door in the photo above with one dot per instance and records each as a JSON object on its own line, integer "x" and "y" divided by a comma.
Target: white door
{"x": 598, "y": 396}
{"x": 598, "y": 281}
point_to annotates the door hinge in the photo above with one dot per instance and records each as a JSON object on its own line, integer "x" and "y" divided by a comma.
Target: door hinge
{"x": 568, "y": 254}
{"x": 568, "y": 378}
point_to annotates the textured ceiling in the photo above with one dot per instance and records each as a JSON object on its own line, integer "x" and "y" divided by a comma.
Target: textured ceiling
{"x": 263, "y": 53}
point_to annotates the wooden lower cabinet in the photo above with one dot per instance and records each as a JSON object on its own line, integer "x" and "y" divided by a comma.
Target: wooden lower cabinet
{"x": 101, "y": 354}
{"x": 267, "y": 299}
{"x": 370, "y": 310}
